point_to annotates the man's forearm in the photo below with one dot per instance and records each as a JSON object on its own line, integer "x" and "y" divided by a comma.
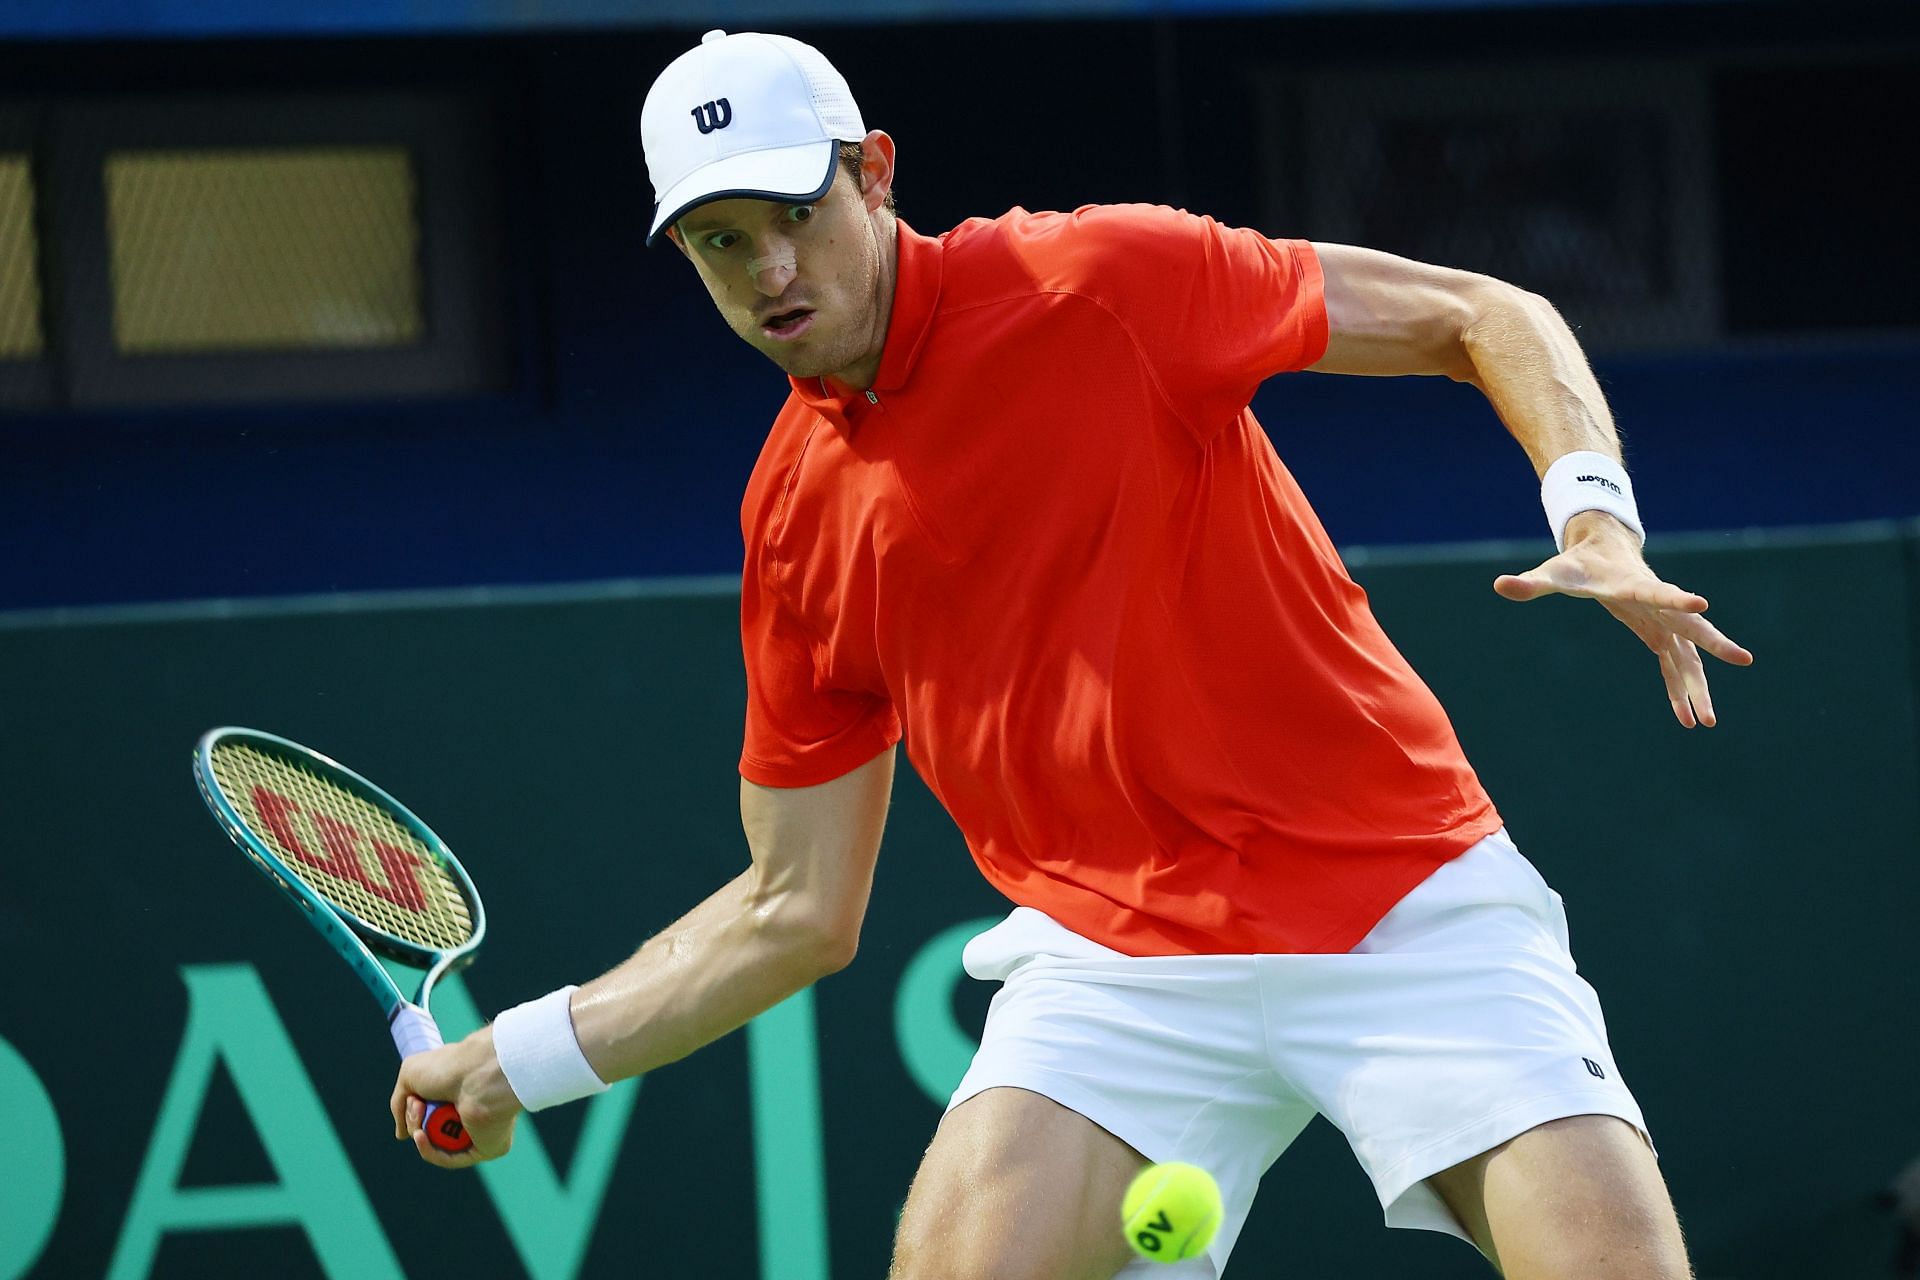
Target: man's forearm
{"x": 1530, "y": 367}
{"x": 711, "y": 971}
{"x": 789, "y": 919}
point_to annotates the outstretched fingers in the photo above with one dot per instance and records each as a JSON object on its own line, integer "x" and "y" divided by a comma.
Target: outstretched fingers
{"x": 1693, "y": 679}
{"x": 1696, "y": 630}
{"x": 1676, "y": 691}
{"x": 1671, "y": 638}
{"x": 1657, "y": 594}
{"x": 1669, "y": 620}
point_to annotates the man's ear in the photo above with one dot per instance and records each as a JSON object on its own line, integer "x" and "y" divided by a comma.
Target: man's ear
{"x": 673, "y": 234}
{"x": 876, "y": 168}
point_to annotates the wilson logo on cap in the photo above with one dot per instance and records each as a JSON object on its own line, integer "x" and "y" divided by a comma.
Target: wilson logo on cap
{"x": 717, "y": 114}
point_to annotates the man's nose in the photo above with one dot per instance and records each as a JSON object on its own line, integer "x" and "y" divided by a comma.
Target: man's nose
{"x": 774, "y": 269}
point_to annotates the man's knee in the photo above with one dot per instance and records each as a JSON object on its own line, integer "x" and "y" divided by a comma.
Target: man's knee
{"x": 920, "y": 1258}
{"x": 937, "y": 1245}
{"x": 1619, "y": 1246}
{"x": 1573, "y": 1199}
{"x": 1015, "y": 1187}
{"x": 934, "y": 1241}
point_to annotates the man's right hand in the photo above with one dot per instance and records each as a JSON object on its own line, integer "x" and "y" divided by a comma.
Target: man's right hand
{"x": 466, "y": 1074}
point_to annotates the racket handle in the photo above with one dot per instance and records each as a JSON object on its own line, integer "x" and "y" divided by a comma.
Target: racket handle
{"x": 415, "y": 1031}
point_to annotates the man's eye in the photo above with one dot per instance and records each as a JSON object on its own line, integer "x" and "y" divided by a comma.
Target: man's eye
{"x": 800, "y": 213}
{"x": 722, "y": 240}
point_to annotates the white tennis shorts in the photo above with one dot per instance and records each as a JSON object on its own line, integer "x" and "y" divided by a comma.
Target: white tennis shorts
{"x": 1456, "y": 1024}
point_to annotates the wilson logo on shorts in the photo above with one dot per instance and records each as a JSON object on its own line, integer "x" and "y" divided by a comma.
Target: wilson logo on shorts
{"x": 1594, "y": 1069}
{"x": 717, "y": 114}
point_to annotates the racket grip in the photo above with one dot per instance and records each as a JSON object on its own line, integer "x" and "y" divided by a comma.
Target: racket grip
{"x": 415, "y": 1031}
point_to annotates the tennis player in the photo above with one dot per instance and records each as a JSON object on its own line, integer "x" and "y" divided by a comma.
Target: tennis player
{"x": 1017, "y": 503}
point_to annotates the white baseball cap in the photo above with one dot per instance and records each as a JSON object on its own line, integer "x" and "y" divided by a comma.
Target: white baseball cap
{"x": 744, "y": 115}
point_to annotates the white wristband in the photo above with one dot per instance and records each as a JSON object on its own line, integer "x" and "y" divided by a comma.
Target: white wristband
{"x": 1587, "y": 481}
{"x": 540, "y": 1055}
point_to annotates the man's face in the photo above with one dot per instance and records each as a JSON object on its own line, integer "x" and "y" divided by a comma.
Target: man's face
{"x": 799, "y": 282}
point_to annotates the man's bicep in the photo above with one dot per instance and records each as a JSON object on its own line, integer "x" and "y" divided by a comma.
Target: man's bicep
{"x": 815, "y": 847}
{"x": 1389, "y": 316}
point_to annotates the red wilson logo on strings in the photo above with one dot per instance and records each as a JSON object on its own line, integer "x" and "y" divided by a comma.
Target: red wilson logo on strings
{"x": 343, "y": 846}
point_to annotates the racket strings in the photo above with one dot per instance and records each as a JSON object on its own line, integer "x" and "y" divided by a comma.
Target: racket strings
{"x": 348, "y": 849}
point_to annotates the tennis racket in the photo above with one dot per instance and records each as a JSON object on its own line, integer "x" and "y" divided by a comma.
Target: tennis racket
{"x": 373, "y": 879}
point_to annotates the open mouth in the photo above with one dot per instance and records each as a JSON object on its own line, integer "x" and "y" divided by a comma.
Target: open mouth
{"x": 788, "y": 324}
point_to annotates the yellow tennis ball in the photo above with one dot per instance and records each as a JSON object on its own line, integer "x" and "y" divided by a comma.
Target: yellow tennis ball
{"x": 1171, "y": 1212}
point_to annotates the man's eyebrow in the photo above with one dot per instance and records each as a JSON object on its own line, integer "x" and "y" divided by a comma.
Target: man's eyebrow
{"x": 692, "y": 225}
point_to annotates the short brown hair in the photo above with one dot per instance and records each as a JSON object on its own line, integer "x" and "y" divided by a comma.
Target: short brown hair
{"x": 851, "y": 156}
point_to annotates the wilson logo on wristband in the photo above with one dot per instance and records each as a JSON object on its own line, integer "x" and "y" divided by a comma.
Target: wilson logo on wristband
{"x": 1585, "y": 480}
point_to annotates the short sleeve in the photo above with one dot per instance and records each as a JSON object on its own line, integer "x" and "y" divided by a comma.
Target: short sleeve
{"x": 1216, "y": 310}
{"x": 799, "y": 734}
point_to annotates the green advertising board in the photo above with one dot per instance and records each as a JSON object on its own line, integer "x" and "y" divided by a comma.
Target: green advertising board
{"x": 192, "y": 1086}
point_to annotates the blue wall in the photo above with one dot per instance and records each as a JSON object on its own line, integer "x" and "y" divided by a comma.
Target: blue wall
{"x": 637, "y": 416}
{"x": 197, "y": 18}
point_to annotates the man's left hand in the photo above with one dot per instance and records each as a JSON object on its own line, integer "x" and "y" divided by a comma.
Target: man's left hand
{"x": 1603, "y": 562}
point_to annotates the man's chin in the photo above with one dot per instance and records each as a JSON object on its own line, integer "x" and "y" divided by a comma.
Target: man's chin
{"x": 799, "y": 364}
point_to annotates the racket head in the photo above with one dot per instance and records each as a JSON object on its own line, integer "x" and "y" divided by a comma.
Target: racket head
{"x": 336, "y": 843}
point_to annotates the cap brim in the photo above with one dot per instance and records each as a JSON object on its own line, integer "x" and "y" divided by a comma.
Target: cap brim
{"x": 780, "y": 173}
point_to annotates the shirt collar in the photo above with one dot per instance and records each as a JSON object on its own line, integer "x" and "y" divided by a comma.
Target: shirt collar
{"x": 919, "y": 266}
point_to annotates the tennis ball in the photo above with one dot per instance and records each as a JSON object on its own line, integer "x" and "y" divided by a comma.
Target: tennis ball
{"x": 1171, "y": 1212}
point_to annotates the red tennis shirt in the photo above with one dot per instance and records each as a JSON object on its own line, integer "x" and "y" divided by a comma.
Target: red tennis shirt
{"x": 1053, "y": 545}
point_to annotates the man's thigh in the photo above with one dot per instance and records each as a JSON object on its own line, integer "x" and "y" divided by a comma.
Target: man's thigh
{"x": 1575, "y": 1198}
{"x": 1016, "y": 1187}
